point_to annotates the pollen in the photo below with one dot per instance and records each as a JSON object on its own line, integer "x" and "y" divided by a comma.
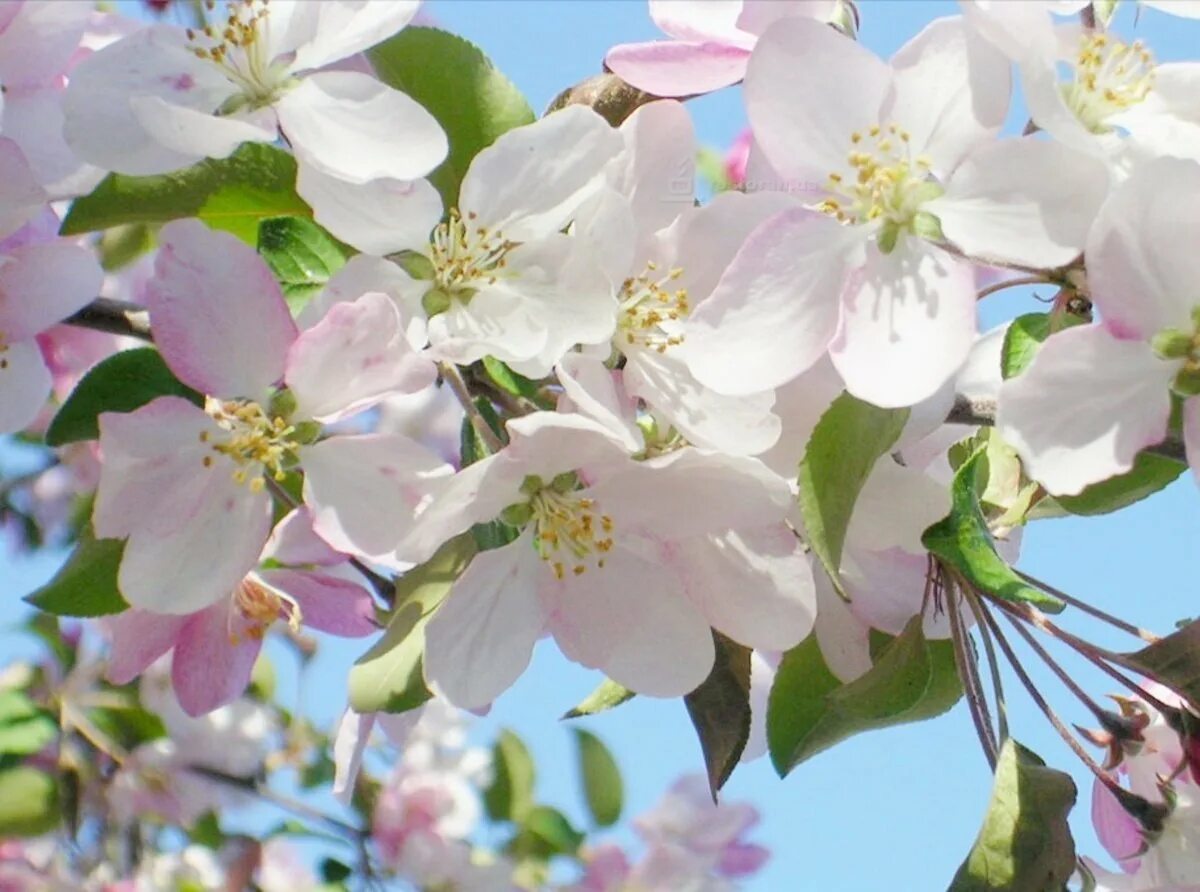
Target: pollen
{"x": 466, "y": 255}
{"x": 256, "y": 442}
{"x": 240, "y": 48}
{"x": 1110, "y": 76}
{"x": 569, "y": 532}
{"x": 652, "y": 310}
{"x": 259, "y": 607}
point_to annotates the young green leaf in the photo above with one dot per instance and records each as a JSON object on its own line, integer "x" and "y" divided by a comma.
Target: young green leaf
{"x": 1025, "y": 843}
{"x": 509, "y": 381}
{"x": 123, "y": 382}
{"x": 608, "y": 694}
{"x": 1173, "y": 661}
{"x": 459, "y": 86}
{"x": 389, "y": 677}
{"x": 301, "y": 254}
{"x": 601, "y": 778}
{"x": 256, "y": 182}
{"x": 545, "y": 832}
{"x": 720, "y": 711}
{"x": 28, "y": 802}
{"x": 1026, "y": 334}
{"x": 86, "y": 585}
{"x": 843, "y": 449}
{"x": 24, "y": 728}
{"x": 1149, "y": 474}
{"x": 510, "y": 795}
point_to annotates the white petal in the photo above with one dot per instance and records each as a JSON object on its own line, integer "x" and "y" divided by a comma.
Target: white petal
{"x": 952, "y": 91}
{"x": 1142, "y": 261}
{"x": 342, "y": 28}
{"x": 1087, "y": 404}
{"x": 907, "y": 325}
{"x": 20, "y": 195}
{"x": 364, "y": 273}
{"x": 714, "y": 21}
{"x": 36, "y": 45}
{"x": 775, "y": 310}
{"x": 887, "y": 589}
{"x": 353, "y": 358}
{"x": 531, "y": 180}
{"x": 844, "y": 638}
{"x": 495, "y": 322}
{"x": 480, "y": 640}
{"x": 24, "y": 385}
{"x": 800, "y": 405}
{"x": 895, "y": 507}
{"x": 188, "y": 130}
{"x": 548, "y": 443}
{"x": 350, "y": 126}
{"x": 1026, "y": 201}
{"x": 41, "y": 284}
{"x": 597, "y": 393}
{"x": 378, "y": 217}
{"x": 657, "y": 170}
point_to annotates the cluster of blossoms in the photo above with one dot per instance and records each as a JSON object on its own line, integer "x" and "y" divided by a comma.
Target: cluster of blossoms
{"x": 542, "y": 360}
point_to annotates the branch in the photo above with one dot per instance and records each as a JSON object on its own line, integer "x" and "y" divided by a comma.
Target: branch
{"x": 114, "y": 317}
{"x": 608, "y": 95}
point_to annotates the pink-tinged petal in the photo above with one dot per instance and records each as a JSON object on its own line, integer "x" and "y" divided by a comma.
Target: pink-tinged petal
{"x": 715, "y": 20}
{"x": 671, "y": 68}
{"x": 341, "y": 29}
{"x": 365, "y": 492}
{"x": 800, "y": 405}
{"x": 378, "y": 217}
{"x": 349, "y": 744}
{"x": 201, "y": 563}
{"x": 1191, "y": 434}
{"x": 531, "y": 180}
{"x": 758, "y": 15}
{"x": 895, "y": 507}
{"x": 214, "y": 657}
{"x": 25, "y": 383}
{"x": 1117, "y": 830}
{"x": 1142, "y": 261}
{"x": 101, "y": 124}
{"x": 182, "y": 129}
{"x": 775, "y": 310}
{"x": 137, "y": 639}
{"x": 755, "y": 585}
{"x": 480, "y": 640}
{"x": 807, "y": 139}
{"x": 657, "y": 170}
{"x": 218, "y": 313}
{"x": 41, "y": 284}
{"x": 20, "y": 195}
{"x": 907, "y": 325}
{"x": 594, "y": 391}
{"x": 350, "y": 126}
{"x": 741, "y": 859}
{"x": 37, "y": 42}
{"x": 353, "y": 358}
{"x": 152, "y": 456}
{"x": 362, "y": 274}
{"x": 844, "y": 639}
{"x": 33, "y": 119}
{"x": 547, "y": 443}
{"x": 1087, "y": 404}
{"x": 293, "y": 541}
{"x": 631, "y": 620}
{"x": 1019, "y": 30}
{"x": 326, "y": 603}
{"x": 887, "y": 589}
{"x": 1025, "y": 201}
{"x": 738, "y": 425}
{"x": 952, "y": 91}
{"x": 495, "y": 323}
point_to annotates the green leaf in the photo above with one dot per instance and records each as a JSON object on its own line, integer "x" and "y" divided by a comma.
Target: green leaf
{"x": 510, "y": 795}
{"x": 1173, "y": 661}
{"x": 601, "y": 778}
{"x": 1025, "y": 844}
{"x": 720, "y": 710}
{"x": 710, "y": 170}
{"x": 389, "y": 677}
{"x": 459, "y": 86}
{"x": 846, "y": 443}
{"x": 809, "y": 710}
{"x": 28, "y": 802}
{"x": 122, "y": 383}
{"x": 86, "y": 585}
{"x": 510, "y": 382}
{"x": 962, "y": 540}
{"x": 607, "y": 695}
{"x": 945, "y": 687}
{"x": 121, "y": 245}
{"x": 24, "y": 728}
{"x": 1026, "y": 334}
{"x": 301, "y": 254}
{"x": 233, "y": 194}
{"x": 546, "y": 832}
{"x": 1150, "y": 473}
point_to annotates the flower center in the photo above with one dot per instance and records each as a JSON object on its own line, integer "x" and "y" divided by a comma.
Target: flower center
{"x": 254, "y": 438}
{"x": 260, "y": 606}
{"x": 464, "y": 256}
{"x": 239, "y": 48}
{"x": 1110, "y": 76}
{"x": 883, "y": 182}
{"x": 567, "y": 528}
{"x": 651, "y": 312}
{"x": 1176, "y": 344}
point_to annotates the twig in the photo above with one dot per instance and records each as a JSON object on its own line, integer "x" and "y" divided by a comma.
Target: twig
{"x": 976, "y": 702}
{"x": 114, "y": 317}
{"x": 452, "y": 377}
{"x": 1148, "y": 637}
{"x": 1013, "y": 283}
{"x": 977, "y": 608}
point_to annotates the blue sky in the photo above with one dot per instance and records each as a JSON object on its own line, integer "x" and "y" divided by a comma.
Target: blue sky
{"x": 894, "y": 809}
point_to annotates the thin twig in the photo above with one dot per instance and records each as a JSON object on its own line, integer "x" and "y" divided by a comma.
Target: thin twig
{"x": 117, "y": 317}
{"x": 977, "y": 609}
{"x": 1148, "y": 637}
{"x": 452, "y": 377}
{"x": 1013, "y": 283}
{"x": 976, "y": 702}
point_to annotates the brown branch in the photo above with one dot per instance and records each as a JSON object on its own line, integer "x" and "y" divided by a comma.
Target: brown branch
{"x": 114, "y": 317}
{"x": 611, "y": 98}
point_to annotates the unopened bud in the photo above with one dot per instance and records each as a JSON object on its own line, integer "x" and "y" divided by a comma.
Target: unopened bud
{"x": 1172, "y": 343}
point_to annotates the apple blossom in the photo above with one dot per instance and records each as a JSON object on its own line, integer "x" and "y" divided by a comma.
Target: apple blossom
{"x": 162, "y": 98}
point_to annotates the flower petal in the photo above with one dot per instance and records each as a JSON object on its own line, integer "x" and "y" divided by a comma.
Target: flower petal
{"x": 181, "y": 129}
{"x": 213, "y": 660}
{"x": 340, "y": 29}
{"x": 41, "y": 284}
{"x": 20, "y": 195}
{"x": 138, "y": 638}
{"x": 843, "y": 638}
{"x": 25, "y": 383}
{"x": 350, "y": 126}
{"x": 218, "y": 313}
{"x": 1087, "y": 404}
{"x": 326, "y": 603}
{"x": 674, "y": 68}
{"x": 657, "y": 170}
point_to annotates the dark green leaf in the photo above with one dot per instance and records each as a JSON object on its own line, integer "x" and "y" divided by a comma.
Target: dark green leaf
{"x": 962, "y": 540}
{"x": 206, "y": 831}
{"x": 460, "y": 87}
{"x": 255, "y": 182}
{"x": 1173, "y": 661}
{"x": 607, "y": 695}
{"x": 28, "y": 802}
{"x": 843, "y": 449}
{"x": 1025, "y": 844}
{"x": 301, "y": 254}
{"x": 389, "y": 676}
{"x": 1026, "y": 334}
{"x": 809, "y": 710}
{"x": 122, "y": 383}
{"x": 24, "y": 728}
{"x": 601, "y": 778}
{"x": 510, "y": 795}
{"x": 720, "y": 710}
{"x": 334, "y": 871}
{"x": 509, "y": 381}
{"x": 86, "y": 585}
{"x": 1150, "y": 473}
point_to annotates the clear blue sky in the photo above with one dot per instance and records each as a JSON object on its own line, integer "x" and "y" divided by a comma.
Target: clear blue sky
{"x": 889, "y": 810}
